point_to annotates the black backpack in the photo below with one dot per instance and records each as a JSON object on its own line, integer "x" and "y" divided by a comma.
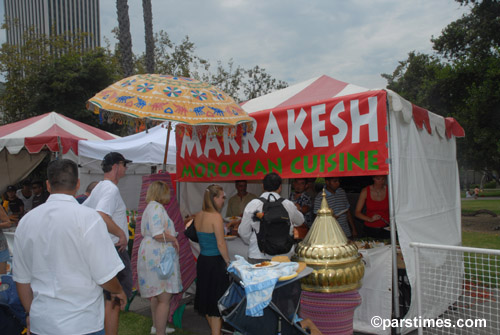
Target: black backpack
{"x": 274, "y": 236}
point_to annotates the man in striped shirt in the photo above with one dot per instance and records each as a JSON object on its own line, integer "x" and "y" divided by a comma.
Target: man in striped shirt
{"x": 337, "y": 201}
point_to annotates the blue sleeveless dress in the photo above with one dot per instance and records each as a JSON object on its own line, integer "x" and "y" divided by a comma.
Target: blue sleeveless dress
{"x": 212, "y": 279}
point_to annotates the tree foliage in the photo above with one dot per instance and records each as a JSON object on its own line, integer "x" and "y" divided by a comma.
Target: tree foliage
{"x": 149, "y": 38}
{"x": 462, "y": 80}
{"x": 54, "y": 73}
{"x": 124, "y": 38}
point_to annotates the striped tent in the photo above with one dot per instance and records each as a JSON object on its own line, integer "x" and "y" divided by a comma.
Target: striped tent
{"x": 24, "y": 144}
{"x": 53, "y": 131}
{"x": 315, "y": 89}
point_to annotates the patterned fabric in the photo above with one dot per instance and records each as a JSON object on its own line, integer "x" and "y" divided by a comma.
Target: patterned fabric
{"x": 154, "y": 220}
{"x": 164, "y": 97}
{"x": 304, "y": 199}
{"x": 186, "y": 258}
{"x": 337, "y": 202}
{"x": 259, "y": 283}
{"x": 332, "y": 313}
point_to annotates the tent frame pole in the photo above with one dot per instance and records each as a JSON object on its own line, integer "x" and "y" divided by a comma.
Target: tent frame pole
{"x": 164, "y": 167}
{"x": 395, "y": 284}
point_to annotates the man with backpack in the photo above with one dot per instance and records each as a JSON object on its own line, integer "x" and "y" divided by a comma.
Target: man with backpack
{"x": 268, "y": 221}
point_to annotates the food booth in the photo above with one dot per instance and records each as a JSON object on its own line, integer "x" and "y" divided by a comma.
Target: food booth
{"x": 325, "y": 127}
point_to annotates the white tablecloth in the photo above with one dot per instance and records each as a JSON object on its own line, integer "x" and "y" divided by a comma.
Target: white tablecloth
{"x": 376, "y": 290}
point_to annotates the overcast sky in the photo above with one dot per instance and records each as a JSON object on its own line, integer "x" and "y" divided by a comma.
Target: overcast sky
{"x": 351, "y": 40}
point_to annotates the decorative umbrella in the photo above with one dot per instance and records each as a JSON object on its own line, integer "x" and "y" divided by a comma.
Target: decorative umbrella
{"x": 168, "y": 98}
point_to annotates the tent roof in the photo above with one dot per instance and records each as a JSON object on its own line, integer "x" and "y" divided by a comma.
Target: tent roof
{"x": 315, "y": 89}
{"x": 44, "y": 130}
{"x": 144, "y": 147}
{"x": 324, "y": 88}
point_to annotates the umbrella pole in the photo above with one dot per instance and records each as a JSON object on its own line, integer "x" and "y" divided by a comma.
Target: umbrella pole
{"x": 166, "y": 148}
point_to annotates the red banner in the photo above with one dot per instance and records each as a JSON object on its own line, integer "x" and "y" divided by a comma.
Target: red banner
{"x": 344, "y": 136}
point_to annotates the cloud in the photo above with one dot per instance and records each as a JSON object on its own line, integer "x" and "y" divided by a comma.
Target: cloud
{"x": 294, "y": 40}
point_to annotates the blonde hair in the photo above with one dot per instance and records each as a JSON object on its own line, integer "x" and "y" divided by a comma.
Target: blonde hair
{"x": 158, "y": 191}
{"x": 208, "y": 199}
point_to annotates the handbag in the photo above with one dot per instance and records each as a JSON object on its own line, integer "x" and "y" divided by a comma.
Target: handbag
{"x": 190, "y": 231}
{"x": 166, "y": 267}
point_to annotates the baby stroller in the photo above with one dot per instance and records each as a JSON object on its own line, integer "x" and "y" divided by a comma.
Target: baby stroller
{"x": 278, "y": 317}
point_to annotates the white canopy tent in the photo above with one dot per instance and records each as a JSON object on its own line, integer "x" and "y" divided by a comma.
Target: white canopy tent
{"x": 146, "y": 149}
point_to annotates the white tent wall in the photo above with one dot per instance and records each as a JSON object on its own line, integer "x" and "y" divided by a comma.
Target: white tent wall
{"x": 424, "y": 183}
{"x": 129, "y": 185}
{"x": 16, "y": 167}
{"x": 191, "y": 194}
{"x": 146, "y": 149}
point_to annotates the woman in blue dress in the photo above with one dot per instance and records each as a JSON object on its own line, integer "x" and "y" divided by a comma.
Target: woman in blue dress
{"x": 212, "y": 279}
{"x": 159, "y": 234}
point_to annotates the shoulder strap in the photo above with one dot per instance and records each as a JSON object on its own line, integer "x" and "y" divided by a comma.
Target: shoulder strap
{"x": 269, "y": 197}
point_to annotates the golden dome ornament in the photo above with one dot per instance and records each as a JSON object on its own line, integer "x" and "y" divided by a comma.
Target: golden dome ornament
{"x": 335, "y": 260}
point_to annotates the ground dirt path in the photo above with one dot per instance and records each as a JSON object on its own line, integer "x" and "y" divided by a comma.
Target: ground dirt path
{"x": 483, "y": 223}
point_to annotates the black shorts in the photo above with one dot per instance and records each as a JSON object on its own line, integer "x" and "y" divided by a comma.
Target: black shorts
{"x": 124, "y": 276}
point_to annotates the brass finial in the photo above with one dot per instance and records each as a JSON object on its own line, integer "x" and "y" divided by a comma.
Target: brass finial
{"x": 336, "y": 263}
{"x": 324, "y": 209}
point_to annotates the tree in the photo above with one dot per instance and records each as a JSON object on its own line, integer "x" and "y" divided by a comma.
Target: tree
{"x": 462, "y": 80}
{"x": 229, "y": 80}
{"x": 53, "y": 73}
{"x": 150, "y": 42}
{"x": 475, "y": 35}
{"x": 124, "y": 38}
{"x": 260, "y": 83}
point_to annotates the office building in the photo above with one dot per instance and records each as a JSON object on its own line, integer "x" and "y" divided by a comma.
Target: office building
{"x": 53, "y": 17}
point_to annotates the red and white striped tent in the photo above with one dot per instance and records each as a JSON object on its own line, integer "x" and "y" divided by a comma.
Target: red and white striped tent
{"x": 423, "y": 175}
{"x": 313, "y": 129}
{"x": 315, "y": 89}
{"x": 24, "y": 144}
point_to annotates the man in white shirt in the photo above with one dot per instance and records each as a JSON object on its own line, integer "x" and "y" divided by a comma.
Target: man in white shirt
{"x": 106, "y": 199}
{"x": 26, "y": 195}
{"x": 63, "y": 259}
{"x": 249, "y": 228}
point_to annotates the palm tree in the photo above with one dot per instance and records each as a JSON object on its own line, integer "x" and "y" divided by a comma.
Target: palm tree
{"x": 150, "y": 42}
{"x": 125, "y": 40}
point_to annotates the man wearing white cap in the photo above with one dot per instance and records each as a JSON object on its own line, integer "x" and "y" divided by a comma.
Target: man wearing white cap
{"x": 106, "y": 199}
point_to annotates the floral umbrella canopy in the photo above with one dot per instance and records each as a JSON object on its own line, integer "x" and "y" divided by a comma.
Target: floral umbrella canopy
{"x": 200, "y": 106}
{"x": 164, "y": 97}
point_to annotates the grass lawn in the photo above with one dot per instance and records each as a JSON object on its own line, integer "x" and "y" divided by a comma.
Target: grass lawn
{"x": 472, "y": 205}
{"x": 135, "y": 324}
{"x": 480, "y": 240}
{"x": 484, "y": 270}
